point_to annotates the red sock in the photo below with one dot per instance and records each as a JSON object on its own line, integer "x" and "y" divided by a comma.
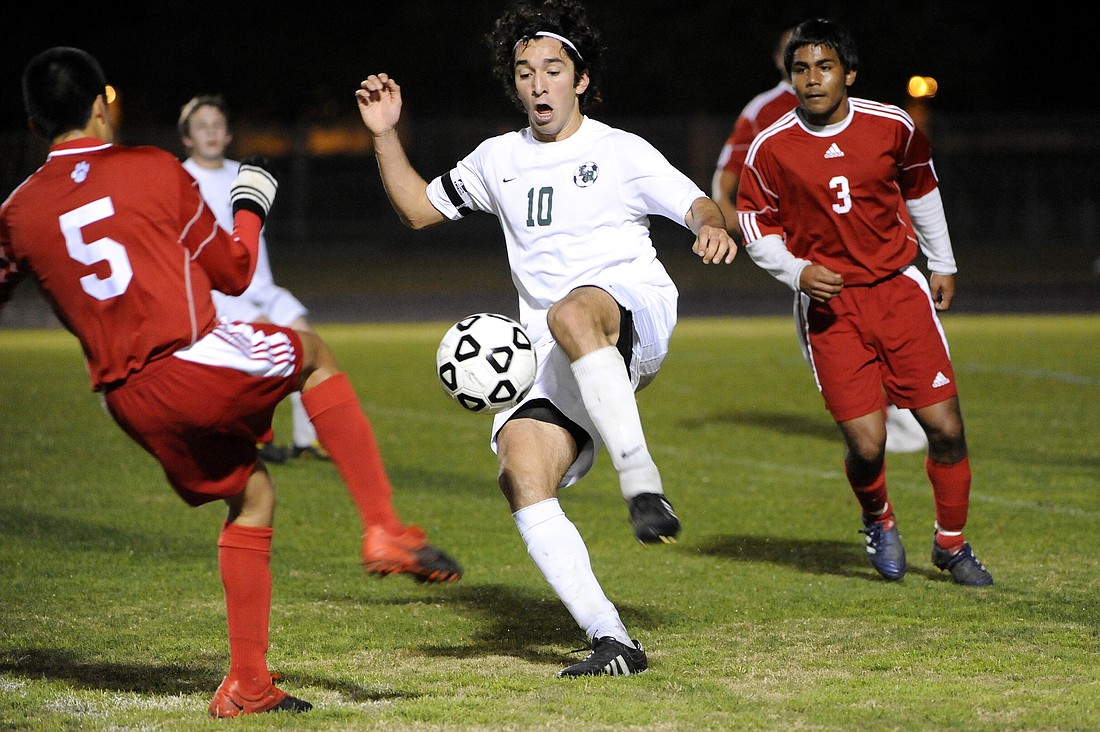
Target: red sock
{"x": 951, "y": 492}
{"x": 345, "y": 432}
{"x": 872, "y": 495}
{"x": 244, "y": 553}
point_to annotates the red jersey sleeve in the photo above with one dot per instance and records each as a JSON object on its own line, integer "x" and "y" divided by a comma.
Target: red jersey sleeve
{"x": 228, "y": 261}
{"x": 763, "y": 110}
{"x": 738, "y": 142}
{"x": 917, "y": 176}
{"x": 9, "y": 272}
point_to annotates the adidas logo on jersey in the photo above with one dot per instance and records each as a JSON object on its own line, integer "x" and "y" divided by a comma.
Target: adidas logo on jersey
{"x": 940, "y": 380}
{"x": 834, "y": 152}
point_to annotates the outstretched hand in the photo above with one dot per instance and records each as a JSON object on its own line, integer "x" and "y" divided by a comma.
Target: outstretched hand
{"x": 712, "y": 242}
{"x": 379, "y": 100}
{"x": 715, "y": 245}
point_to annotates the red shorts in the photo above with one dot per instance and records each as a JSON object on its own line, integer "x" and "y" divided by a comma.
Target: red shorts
{"x": 876, "y": 337}
{"x": 201, "y": 411}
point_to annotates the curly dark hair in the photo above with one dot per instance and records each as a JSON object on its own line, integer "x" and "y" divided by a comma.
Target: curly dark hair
{"x": 566, "y": 18}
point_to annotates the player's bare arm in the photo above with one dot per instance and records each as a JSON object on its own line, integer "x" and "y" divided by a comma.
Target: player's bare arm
{"x": 820, "y": 283}
{"x": 379, "y": 100}
{"x": 712, "y": 242}
{"x": 943, "y": 290}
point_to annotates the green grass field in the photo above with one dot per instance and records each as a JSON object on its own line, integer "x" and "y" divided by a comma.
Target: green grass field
{"x": 766, "y": 614}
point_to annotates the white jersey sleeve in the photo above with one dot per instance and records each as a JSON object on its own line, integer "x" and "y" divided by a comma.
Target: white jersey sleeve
{"x": 653, "y": 185}
{"x": 463, "y": 189}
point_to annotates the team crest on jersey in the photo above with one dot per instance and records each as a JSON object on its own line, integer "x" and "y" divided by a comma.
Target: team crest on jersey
{"x": 586, "y": 174}
{"x": 80, "y": 171}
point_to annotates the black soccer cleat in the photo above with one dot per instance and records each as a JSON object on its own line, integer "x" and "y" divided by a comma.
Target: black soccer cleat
{"x": 309, "y": 452}
{"x": 964, "y": 566}
{"x": 609, "y": 657}
{"x": 272, "y": 453}
{"x": 653, "y": 518}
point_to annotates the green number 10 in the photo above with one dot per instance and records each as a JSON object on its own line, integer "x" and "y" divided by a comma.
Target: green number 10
{"x": 545, "y": 205}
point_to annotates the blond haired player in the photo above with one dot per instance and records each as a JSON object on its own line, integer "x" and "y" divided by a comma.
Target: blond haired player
{"x": 205, "y": 133}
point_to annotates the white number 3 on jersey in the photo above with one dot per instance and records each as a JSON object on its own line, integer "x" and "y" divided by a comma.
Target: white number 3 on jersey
{"x": 104, "y": 249}
{"x": 843, "y": 194}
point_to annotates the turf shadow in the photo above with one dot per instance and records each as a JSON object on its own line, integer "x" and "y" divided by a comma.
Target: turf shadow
{"x": 526, "y": 625}
{"x": 58, "y": 532}
{"x": 845, "y": 559}
{"x": 57, "y": 664}
{"x": 61, "y": 664}
{"x": 817, "y": 427}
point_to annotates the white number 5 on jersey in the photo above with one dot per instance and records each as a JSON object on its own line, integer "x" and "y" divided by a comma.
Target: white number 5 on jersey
{"x": 104, "y": 249}
{"x": 843, "y": 194}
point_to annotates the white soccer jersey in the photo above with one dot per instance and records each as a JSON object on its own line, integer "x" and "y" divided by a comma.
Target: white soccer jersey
{"x": 263, "y": 298}
{"x": 574, "y": 212}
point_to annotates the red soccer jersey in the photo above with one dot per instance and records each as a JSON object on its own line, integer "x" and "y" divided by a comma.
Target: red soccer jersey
{"x": 761, "y": 111}
{"x": 838, "y": 196}
{"x": 125, "y": 251}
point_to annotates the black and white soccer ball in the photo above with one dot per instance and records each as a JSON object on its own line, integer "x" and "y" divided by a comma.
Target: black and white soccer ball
{"x": 486, "y": 363}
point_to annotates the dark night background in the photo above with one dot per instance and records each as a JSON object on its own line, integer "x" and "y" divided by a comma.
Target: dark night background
{"x": 1016, "y": 130}
{"x": 303, "y": 62}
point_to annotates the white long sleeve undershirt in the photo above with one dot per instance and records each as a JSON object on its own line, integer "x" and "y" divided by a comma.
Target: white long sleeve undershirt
{"x": 770, "y": 253}
{"x": 932, "y": 236}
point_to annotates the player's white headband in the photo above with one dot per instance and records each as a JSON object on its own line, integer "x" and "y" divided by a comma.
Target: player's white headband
{"x": 547, "y": 34}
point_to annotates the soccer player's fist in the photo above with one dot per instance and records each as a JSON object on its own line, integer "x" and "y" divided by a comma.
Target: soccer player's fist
{"x": 254, "y": 187}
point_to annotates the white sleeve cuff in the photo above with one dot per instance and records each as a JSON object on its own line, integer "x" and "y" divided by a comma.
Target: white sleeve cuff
{"x": 771, "y": 254}
{"x": 932, "y": 235}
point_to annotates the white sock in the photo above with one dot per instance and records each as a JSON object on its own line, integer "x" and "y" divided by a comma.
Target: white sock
{"x": 304, "y": 434}
{"x": 558, "y": 550}
{"x": 609, "y": 397}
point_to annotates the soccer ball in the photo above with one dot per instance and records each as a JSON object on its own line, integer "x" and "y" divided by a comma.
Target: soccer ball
{"x": 486, "y": 363}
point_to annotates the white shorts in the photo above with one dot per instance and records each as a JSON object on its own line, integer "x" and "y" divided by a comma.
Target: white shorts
{"x": 273, "y": 303}
{"x": 653, "y": 310}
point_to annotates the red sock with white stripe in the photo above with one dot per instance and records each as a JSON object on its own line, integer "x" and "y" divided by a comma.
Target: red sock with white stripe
{"x": 951, "y": 492}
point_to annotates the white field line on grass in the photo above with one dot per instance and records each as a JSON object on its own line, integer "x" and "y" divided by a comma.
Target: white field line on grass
{"x": 1030, "y": 373}
{"x": 104, "y": 705}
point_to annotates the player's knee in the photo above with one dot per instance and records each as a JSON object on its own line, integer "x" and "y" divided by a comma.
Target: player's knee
{"x": 863, "y": 466}
{"x": 946, "y": 447}
{"x": 564, "y": 317}
{"x": 318, "y": 360}
{"x": 580, "y": 323}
